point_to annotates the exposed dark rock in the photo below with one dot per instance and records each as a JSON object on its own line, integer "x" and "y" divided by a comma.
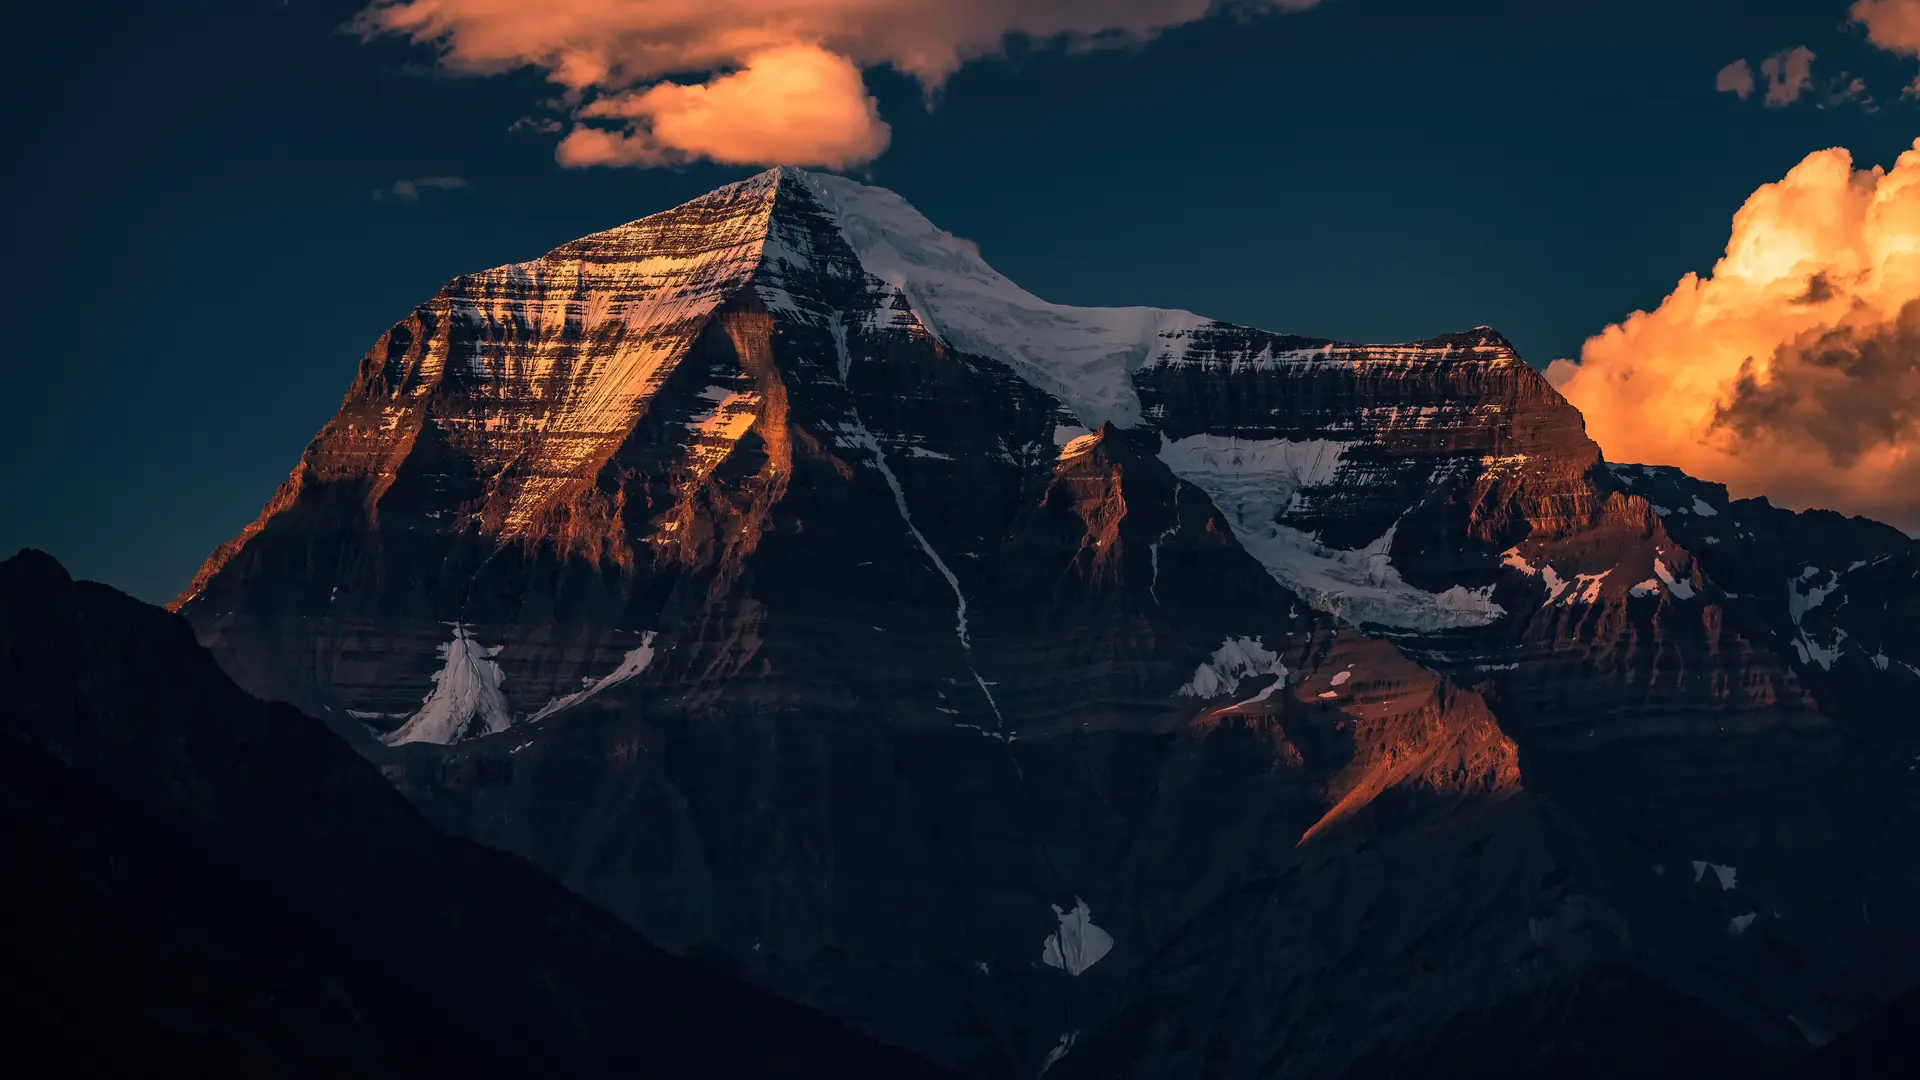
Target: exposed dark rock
{"x": 1886, "y": 1047}
{"x": 200, "y": 883}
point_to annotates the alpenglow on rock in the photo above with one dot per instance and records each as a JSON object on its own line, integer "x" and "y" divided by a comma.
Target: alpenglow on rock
{"x": 825, "y": 604}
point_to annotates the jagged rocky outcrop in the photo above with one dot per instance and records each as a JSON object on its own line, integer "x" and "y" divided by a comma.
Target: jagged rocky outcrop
{"x": 1026, "y": 683}
{"x": 201, "y": 883}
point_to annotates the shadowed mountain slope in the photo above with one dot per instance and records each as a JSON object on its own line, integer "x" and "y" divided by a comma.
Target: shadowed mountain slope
{"x": 197, "y": 880}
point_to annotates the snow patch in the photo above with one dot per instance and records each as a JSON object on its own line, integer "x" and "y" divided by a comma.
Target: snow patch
{"x": 1679, "y": 587}
{"x": 1812, "y": 652}
{"x": 1078, "y": 944}
{"x": 1727, "y": 875}
{"x": 1067, "y": 1039}
{"x": 863, "y": 438}
{"x": 1587, "y": 587}
{"x": 1645, "y": 588}
{"x": 466, "y": 700}
{"x": 1556, "y": 585}
{"x": 1739, "y": 923}
{"x": 1083, "y": 356}
{"x": 1803, "y": 596}
{"x": 1340, "y": 677}
{"x": 1255, "y": 482}
{"x": 632, "y": 664}
{"x": 1153, "y": 583}
{"x": 1701, "y": 508}
{"x": 1280, "y": 680}
{"x": 1235, "y": 660}
{"x": 716, "y": 430}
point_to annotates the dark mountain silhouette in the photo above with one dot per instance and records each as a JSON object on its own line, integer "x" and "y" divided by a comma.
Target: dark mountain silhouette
{"x": 201, "y": 883}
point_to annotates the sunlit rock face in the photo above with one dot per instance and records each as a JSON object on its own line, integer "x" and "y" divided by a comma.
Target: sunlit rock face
{"x": 782, "y": 577}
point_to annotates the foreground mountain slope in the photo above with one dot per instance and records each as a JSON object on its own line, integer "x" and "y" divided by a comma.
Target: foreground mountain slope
{"x": 200, "y": 880}
{"x": 779, "y": 575}
{"x": 1883, "y": 1048}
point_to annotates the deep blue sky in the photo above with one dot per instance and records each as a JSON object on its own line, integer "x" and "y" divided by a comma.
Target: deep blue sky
{"x": 196, "y": 262}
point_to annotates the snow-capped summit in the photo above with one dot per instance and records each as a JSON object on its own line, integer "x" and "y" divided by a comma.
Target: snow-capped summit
{"x": 821, "y": 596}
{"x": 521, "y": 406}
{"x": 1083, "y": 356}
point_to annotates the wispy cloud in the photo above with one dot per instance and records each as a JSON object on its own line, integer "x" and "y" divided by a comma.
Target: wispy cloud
{"x": 778, "y": 81}
{"x": 1786, "y": 77}
{"x": 408, "y": 190}
{"x": 1788, "y": 74}
{"x": 1846, "y": 89}
{"x": 1736, "y": 79}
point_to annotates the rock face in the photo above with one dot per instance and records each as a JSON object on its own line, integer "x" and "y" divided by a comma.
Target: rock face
{"x": 200, "y": 883}
{"x": 1103, "y": 689}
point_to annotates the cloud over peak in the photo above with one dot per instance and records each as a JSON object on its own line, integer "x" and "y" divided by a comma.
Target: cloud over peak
{"x": 789, "y": 103}
{"x": 1793, "y": 368}
{"x": 777, "y": 81}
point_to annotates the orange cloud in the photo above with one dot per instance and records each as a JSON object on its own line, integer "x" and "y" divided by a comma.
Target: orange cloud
{"x": 1789, "y": 74}
{"x": 1893, "y": 25}
{"x": 621, "y": 51}
{"x": 798, "y": 104}
{"x": 1793, "y": 369}
{"x": 1736, "y": 79}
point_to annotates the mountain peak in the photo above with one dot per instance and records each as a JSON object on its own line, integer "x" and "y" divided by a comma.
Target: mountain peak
{"x": 520, "y": 403}
{"x": 1483, "y": 338}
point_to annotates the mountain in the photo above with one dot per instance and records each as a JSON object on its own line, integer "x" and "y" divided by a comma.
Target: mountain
{"x": 1880, "y": 1049}
{"x": 199, "y": 881}
{"x": 1096, "y": 688}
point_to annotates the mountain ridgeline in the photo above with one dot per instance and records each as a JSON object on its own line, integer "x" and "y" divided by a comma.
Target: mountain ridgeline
{"x": 1105, "y": 691}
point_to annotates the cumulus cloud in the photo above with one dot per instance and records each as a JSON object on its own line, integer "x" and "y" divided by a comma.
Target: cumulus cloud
{"x": 408, "y": 190}
{"x": 1893, "y": 25}
{"x": 1791, "y": 370}
{"x": 1844, "y": 389}
{"x": 1788, "y": 74}
{"x": 1736, "y": 79}
{"x": 611, "y": 56}
{"x": 1845, "y": 89}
